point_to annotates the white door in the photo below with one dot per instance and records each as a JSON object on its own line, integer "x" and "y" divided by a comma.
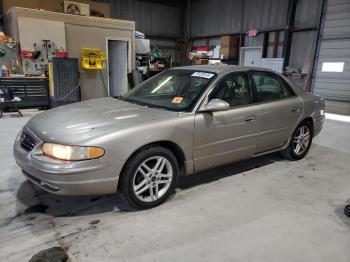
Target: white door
{"x": 117, "y": 67}
{"x": 251, "y": 56}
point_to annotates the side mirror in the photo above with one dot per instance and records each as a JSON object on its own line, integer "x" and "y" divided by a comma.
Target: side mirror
{"x": 215, "y": 105}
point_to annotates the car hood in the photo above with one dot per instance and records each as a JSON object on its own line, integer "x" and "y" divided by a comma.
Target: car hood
{"x": 78, "y": 122}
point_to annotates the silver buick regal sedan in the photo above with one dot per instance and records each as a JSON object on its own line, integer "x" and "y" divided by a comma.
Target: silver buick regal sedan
{"x": 181, "y": 121}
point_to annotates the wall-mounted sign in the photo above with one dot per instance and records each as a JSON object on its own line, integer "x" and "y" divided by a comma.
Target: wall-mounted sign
{"x": 252, "y": 32}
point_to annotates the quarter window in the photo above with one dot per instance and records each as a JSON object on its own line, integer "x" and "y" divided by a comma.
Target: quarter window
{"x": 270, "y": 87}
{"x": 234, "y": 89}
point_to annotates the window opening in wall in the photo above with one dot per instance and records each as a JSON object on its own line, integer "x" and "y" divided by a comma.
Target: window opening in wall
{"x": 335, "y": 67}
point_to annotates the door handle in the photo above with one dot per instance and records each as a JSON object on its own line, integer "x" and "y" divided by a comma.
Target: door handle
{"x": 249, "y": 118}
{"x": 295, "y": 110}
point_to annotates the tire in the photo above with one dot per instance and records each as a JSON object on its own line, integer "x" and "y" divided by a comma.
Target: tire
{"x": 302, "y": 136}
{"x": 347, "y": 211}
{"x": 149, "y": 177}
{"x": 1, "y": 108}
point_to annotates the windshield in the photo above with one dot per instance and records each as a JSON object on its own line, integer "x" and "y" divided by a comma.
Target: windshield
{"x": 176, "y": 90}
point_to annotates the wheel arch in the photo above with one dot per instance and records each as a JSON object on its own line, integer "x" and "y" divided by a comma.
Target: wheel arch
{"x": 172, "y": 146}
{"x": 310, "y": 120}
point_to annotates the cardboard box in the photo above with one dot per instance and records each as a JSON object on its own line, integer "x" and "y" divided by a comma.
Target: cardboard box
{"x": 229, "y": 40}
{"x": 201, "y": 61}
{"x": 157, "y": 66}
{"x": 192, "y": 55}
{"x": 229, "y": 52}
{"x": 76, "y": 8}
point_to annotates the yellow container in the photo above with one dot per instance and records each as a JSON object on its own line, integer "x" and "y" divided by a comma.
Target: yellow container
{"x": 93, "y": 59}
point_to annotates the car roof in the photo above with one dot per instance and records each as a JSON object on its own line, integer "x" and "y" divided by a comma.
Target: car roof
{"x": 221, "y": 68}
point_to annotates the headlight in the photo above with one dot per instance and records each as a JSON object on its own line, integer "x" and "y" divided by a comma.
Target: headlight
{"x": 72, "y": 153}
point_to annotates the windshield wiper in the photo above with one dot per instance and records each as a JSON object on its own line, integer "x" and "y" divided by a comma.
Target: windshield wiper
{"x": 126, "y": 99}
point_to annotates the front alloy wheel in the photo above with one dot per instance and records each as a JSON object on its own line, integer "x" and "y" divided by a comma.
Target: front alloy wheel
{"x": 149, "y": 177}
{"x": 152, "y": 178}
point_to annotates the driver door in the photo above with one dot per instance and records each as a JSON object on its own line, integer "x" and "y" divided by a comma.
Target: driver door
{"x": 226, "y": 136}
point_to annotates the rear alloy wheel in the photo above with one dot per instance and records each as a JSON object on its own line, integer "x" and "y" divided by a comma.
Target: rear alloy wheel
{"x": 150, "y": 177}
{"x": 300, "y": 142}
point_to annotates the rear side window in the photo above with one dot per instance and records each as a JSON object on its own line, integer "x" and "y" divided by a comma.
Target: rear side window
{"x": 270, "y": 87}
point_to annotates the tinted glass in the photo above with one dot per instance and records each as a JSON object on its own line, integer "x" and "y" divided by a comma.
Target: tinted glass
{"x": 286, "y": 89}
{"x": 234, "y": 89}
{"x": 270, "y": 87}
{"x": 173, "y": 89}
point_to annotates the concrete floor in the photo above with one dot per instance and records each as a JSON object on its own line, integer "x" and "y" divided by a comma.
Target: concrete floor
{"x": 264, "y": 209}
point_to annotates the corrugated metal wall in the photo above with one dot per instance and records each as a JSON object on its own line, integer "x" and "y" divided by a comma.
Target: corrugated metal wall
{"x": 302, "y": 48}
{"x": 307, "y": 14}
{"x": 265, "y": 15}
{"x": 150, "y": 18}
{"x": 215, "y": 17}
{"x": 219, "y": 17}
{"x": 334, "y": 47}
{"x": 210, "y": 18}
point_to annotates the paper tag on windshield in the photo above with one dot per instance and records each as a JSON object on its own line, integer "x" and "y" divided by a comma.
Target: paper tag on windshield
{"x": 203, "y": 74}
{"x": 177, "y": 100}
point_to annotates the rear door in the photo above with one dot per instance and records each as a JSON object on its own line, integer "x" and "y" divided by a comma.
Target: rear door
{"x": 280, "y": 109}
{"x": 226, "y": 136}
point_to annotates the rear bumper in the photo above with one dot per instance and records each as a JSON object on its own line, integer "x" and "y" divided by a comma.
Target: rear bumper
{"x": 90, "y": 177}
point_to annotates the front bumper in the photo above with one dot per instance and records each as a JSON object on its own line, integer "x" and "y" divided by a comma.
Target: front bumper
{"x": 89, "y": 177}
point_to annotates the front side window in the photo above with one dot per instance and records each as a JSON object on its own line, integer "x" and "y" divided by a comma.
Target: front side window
{"x": 269, "y": 87}
{"x": 176, "y": 90}
{"x": 234, "y": 89}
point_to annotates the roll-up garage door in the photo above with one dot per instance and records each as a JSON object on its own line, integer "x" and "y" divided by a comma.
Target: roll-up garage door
{"x": 332, "y": 72}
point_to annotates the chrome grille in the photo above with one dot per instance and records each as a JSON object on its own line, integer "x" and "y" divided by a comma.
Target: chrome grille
{"x": 28, "y": 142}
